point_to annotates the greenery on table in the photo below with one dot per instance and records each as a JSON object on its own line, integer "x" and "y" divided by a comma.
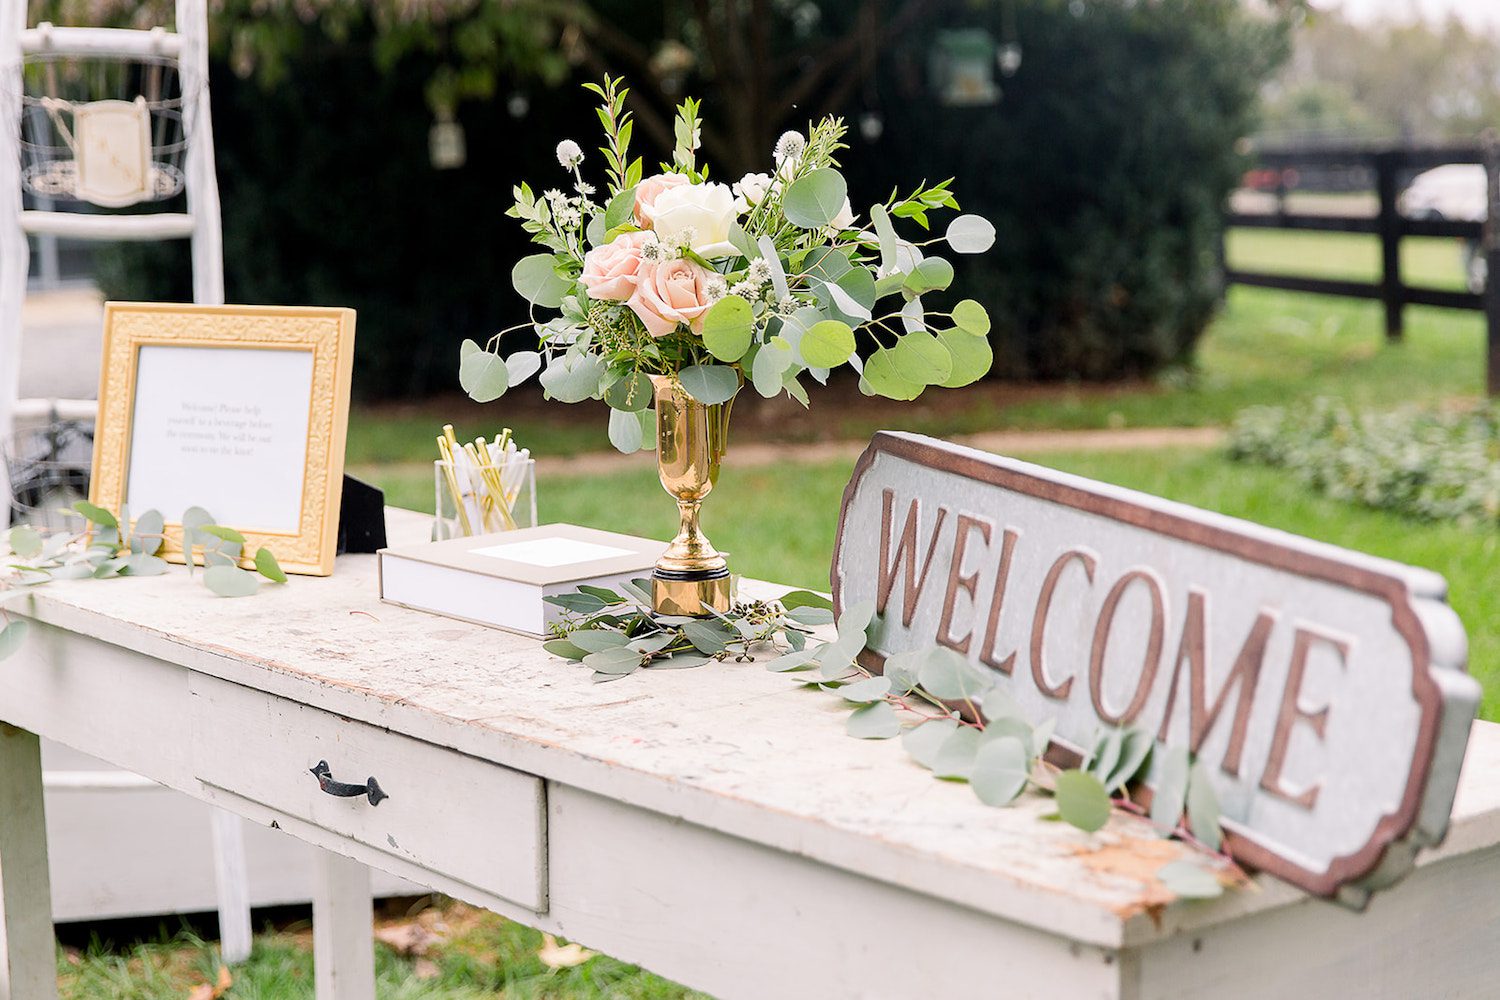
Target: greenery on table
{"x": 1436, "y": 465}
{"x": 951, "y": 716}
{"x": 118, "y": 546}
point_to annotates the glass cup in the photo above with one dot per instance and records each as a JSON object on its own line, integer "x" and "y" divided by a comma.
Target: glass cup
{"x": 466, "y": 502}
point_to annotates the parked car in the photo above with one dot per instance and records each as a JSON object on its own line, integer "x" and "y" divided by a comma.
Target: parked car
{"x": 1455, "y": 191}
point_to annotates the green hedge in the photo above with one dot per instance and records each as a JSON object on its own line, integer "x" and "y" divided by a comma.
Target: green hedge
{"x": 1429, "y": 465}
{"x": 1104, "y": 167}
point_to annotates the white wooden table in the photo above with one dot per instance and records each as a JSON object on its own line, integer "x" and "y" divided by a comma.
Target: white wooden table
{"x": 714, "y": 825}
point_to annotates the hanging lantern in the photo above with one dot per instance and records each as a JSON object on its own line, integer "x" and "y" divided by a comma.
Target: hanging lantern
{"x": 961, "y": 66}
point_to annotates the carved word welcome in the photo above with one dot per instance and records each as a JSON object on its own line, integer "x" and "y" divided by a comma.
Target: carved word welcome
{"x": 1325, "y": 689}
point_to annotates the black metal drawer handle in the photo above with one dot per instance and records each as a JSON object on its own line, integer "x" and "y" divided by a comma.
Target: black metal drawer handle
{"x": 344, "y": 790}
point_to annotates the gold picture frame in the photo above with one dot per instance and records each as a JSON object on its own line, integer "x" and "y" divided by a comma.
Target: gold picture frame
{"x": 217, "y": 431}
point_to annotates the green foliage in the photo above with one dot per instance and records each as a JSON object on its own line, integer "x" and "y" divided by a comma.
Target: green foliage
{"x": 118, "y": 546}
{"x": 1434, "y": 465}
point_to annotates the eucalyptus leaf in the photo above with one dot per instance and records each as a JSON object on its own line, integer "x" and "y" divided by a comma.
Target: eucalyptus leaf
{"x": 728, "y": 328}
{"x": 768, "y": 369}
{"x": 797, "y": 659}
{"x": 194, "y": 519}
{"x": 631, "y": 393}
{"x": 901, "y": 670}
{"x": 923, "y": 358}
{"x": 1001, "y": 769}
{"x": 1107, "y": 753}
{"x": 1203, "y": 807}
{"x": 149, "y": 524}
{"x": 1187, "y": 880}
{"x": 814, "y": 199}
{"x": 267, "y": 566}
{"x": 1133, "y": 753}
{"x": 710, "y": 384}
{"x": 223, "y": 533}
{"x": 625, "y": 431}
{"x": 855, "y": 619}
{"x": 971, "y": 317}
{"x": 970, "y": 234}
{"x": 603, "y": 593}
{"x": 1082, "y": 800}
{"x": 230, "y": 581}
{"x": 874, "y": 722}
{"x": 931, "y": 275}
{"x": 955, "y": 758}
{"x": 650, "y": 644}
{"x": 678, "y": 661}
{"x": 536, "y": 279}
{"x": 484, "y": 376}
{"x": 885, "y": 377}
{"x": 95, "y": 514}
{"x": 521, "y": 365}
{"x": 804, "y": 599}
{"x": 708, "y": 638}
{"x": 573, "y": 379}
{"x": 143, "y": 564}
{"x": 614, "y": 660}
{"x": 810, "y": 616}
{"x": 971, "y": 358}
{"x": 923, "y": 741}
{"x": 867, "y": 691}
{"x": 1169, "y": 791}
{"x": 597, "y": 640}
{"x": 827, "y": 344}
{"x": 773, "y": 260}
{"x": 25, "y": 541}
{"x": 887, "y": 235}
{"x": 947, "y": 675}
{"x": 565, "y": 649}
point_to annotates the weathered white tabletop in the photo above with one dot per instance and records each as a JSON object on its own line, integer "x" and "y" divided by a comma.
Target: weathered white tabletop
{"x": 715, "y": 825}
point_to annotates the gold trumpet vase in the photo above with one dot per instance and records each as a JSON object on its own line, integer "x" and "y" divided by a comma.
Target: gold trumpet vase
{"x": 691, "y": 577}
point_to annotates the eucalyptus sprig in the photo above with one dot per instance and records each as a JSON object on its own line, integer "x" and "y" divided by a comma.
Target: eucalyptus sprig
{"x": 615, "y": 634}
{"x": 955, "y": 720}
{"x": 114, "y": 546}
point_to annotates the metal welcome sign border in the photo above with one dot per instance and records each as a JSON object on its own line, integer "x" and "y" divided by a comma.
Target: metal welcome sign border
{"x": 1023, "y": 495}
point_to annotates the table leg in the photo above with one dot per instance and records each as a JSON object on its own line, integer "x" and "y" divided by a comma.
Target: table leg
{"x": 343, "y": 929}
{"x": 28, "y": 948}
{"x": 233, "y": 884}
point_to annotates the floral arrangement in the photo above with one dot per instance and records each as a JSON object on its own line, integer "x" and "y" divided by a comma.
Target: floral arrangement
{"x": 762, "y": 281}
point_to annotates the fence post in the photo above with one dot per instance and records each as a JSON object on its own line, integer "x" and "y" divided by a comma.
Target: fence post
{"x": 1491, "y": 247}
{"x": 1386, "y": 164}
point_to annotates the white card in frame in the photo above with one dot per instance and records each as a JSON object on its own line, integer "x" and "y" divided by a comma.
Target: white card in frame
{"x": 241, "y": 410}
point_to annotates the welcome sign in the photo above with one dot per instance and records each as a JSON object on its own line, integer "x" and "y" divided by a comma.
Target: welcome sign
{"x": 1324, "y": 689}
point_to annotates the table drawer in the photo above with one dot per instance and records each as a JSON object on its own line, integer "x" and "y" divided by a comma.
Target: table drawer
{"x": 445, "y": 812}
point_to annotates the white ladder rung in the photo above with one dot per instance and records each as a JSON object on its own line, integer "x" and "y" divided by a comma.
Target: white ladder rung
{"x": 117, "y": 42}
{"x": 80, "y": 226}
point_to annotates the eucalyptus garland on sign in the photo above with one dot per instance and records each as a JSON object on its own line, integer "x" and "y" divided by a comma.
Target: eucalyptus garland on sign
{"x": 762, "y": 281}
{"x": 951, "y": 716}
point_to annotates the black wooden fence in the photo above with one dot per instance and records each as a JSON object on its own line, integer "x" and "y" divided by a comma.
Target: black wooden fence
{"x": 1392, "y": 167}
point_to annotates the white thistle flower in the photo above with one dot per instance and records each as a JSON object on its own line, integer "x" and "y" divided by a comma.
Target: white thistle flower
{"x": 788, "y": 305}
{"x": 651, "y": 250}
{"x": 744, "y": 290}
{"x": 584, "y": 188}
{"x": 569, "y": 154}
{"x": 789, "y": 148}
{"x": 716, "y": 288}
{"x": 759, "y": 272}
{"x": 569, "y": 217}
{"x": 687, "y": 237}
{"x": 554, "y": 196}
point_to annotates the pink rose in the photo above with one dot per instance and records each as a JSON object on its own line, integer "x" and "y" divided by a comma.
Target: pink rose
{"x": 609, "y": 272}
{"x": 672, "y": 292}
{"x": 646, "y": 193}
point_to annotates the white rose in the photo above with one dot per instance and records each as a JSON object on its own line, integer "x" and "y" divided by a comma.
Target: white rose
{"x": 844, "y": 219}
{"x": 705, "y": 209}
{"x": 752, "y": 188}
